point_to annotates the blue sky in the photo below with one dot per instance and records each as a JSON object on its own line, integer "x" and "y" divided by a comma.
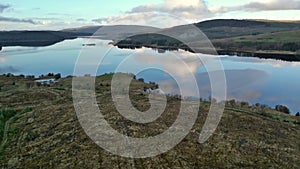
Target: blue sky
{"x": 54, "y": 15}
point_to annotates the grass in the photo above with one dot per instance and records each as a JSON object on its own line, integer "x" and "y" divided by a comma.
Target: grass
{"x": 52, "y": 137}
{"x": 287, "y": 42}
{"x": 5, "y": 116}
{"x": 282, "y": 37}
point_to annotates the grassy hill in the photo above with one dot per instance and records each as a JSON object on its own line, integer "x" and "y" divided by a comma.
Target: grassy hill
{"x": 45, "y": 132}
{"x": 228, "y": 28}
{"x": 267, "y": 39}
{"x": 34, "y": 38}
{"x": 257, "y": 38}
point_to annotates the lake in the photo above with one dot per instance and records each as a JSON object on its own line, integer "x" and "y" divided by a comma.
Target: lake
{"x": 249, "y": 79}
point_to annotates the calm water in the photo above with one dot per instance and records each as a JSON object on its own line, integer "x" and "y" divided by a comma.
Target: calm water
{"x": 254, "y": 80}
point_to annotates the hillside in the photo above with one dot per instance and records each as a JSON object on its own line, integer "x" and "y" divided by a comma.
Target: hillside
{"x": 43, "y": 131}
{"x": 266, "y": 39}
{"x": 255, "y": 38}
{"x": 228, "y": 28}
{"x": 113, "y": 32}
{"x": 34, "y": 38}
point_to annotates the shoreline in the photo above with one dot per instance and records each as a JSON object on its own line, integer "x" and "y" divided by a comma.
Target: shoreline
{"x": 277, "y": 55}
{"x": 38, "y": 81}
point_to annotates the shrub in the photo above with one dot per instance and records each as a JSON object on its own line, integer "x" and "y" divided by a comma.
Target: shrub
{"x": 282, "y": 109}
{"x": 244, "y": 104}
{"x": 141, "y": 80}
{"x": 57, "y": 76}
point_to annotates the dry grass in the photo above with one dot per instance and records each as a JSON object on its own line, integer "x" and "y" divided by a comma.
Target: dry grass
{"x": 51, "y": 137}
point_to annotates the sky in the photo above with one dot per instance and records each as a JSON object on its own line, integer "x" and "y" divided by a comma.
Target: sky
{"x": 57, "y": 15}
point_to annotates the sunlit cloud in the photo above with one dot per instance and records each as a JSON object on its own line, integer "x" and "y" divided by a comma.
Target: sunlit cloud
{"x": 8, "y": 69}
{"x": 3, "y": 7}
{"x": 259, "y": 5}
{"x": 18, "y": 20}
{"x": 166, "y": 14}
{"x": 2, "y": 59}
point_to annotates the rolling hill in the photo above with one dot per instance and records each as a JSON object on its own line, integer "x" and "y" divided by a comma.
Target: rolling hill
{"x": 41, "y": 130}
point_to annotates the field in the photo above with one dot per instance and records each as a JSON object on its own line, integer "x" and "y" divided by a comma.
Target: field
{"x": 47, "y": 133}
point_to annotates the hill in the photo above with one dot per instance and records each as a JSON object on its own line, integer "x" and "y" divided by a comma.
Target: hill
{"x": 42, "y": 131}
{"x": 254, "y": 38}
{"x": 34, "y": 38}
{"x": 114, "y": 32}
{"x": 265, "y": 39}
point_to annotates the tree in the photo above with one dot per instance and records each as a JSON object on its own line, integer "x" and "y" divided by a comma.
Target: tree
{"x": 57, "y": 76}
{"x": 298, "y": 114}
{"x": 50, "y": 74}
{"x": 141, "y": 80}
{"x": 282, "y": 109}
{"x": 231, "y": 102}
{"x": 244, "y": 104}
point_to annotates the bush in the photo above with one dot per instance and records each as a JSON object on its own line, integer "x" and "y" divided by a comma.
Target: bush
{"x": 57, "y": 76}
{"x": 141, "y": 80}
{"x": 244, "y": 104}
{"x": 282, "y": 109}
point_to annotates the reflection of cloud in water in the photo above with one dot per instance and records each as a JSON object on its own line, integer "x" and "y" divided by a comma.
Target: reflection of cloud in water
{"x": 271, "y": 62}
{"x": 8, "y": 69}
{"x": 243, "y": 85}
{"x": 279, "y": 64}
{"x": 170, "y": 60}
{"x": 3, "y": 59}
{"x": 180, "y": 64}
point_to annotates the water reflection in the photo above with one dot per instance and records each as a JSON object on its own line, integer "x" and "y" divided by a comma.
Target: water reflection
{"x": 249, "y": 79}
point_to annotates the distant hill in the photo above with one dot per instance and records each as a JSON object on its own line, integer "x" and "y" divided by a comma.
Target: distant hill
{"x": 227, "y": 28}
{"x": 256, "y": 38}
{"x": 246, "y": 23}
{"x": 267, "y": 39}
{"x": 114, "y": 32}
{"x": 34, "y": 38}
{"x": 85, "y": 29}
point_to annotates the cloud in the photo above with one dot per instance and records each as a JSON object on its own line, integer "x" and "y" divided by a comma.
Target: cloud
{"x": 15, "y": 20}
{"x": 254, "y": 6}
{"x": 8, "y": 19}
{"x": 8, "y": 69}
{"x": 188, "y": 9}
{"x": 81, "y": 20}
{"x": 140, "y": 19}
{"x": 166, "y": 14}
{"x": 3, "y": 59}
{"x": 149, "y": 19}
{"x": 3, "y": 7}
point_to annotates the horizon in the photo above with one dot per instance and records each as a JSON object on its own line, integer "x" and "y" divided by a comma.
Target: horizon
{"x": 32, "y": 15}
{"x": 99, "y": 25}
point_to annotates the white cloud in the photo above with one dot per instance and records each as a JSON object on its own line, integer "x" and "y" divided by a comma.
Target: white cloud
{"x": 2, "y": 59}
{"x": 188, "y": 9}
{"x": 9, "y": 19}
{"x": 259, "y": 5}
{"x": 3, "y": 7}
{"x": 166, "y": 14}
